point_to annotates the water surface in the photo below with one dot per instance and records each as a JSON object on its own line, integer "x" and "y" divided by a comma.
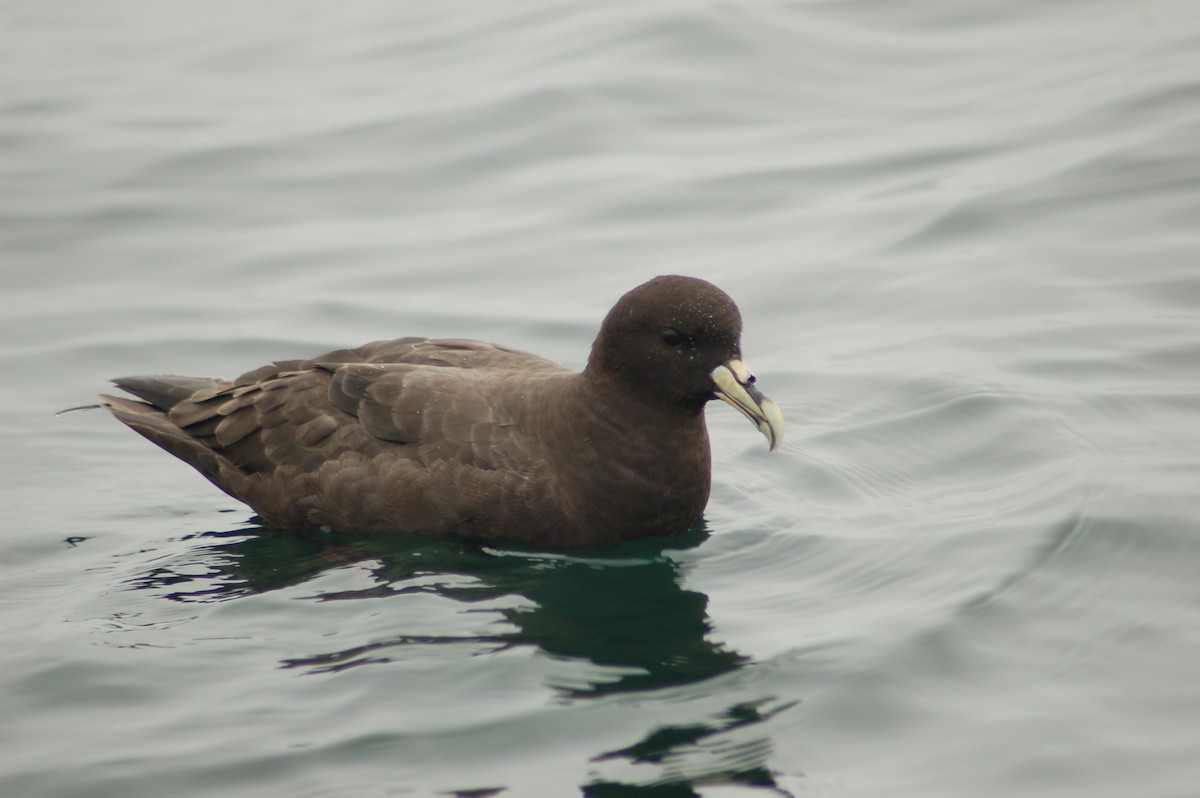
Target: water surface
{"x": 963, "y": 237}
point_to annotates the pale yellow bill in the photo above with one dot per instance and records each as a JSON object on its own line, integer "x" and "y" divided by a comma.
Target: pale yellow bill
{"x": 735, "y": 384}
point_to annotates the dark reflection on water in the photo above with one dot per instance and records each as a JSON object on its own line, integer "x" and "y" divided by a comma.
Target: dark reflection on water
{"x": 621, "y": 607}
{"x": 742, "y": 763}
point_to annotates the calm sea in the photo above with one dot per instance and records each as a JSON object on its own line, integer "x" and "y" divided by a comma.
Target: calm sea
{"x": 965, "y": 238}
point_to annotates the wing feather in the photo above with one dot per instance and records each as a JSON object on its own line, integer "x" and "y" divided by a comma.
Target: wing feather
{"x": 421, "y": 434}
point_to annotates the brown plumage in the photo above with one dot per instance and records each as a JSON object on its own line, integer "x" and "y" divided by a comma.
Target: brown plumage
{"x": 461, "y": 437}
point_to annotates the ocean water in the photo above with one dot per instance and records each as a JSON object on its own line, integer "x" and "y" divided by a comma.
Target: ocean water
{"x": 965, "y": 238}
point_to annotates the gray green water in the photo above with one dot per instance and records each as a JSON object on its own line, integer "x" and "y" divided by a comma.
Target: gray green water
{"x": 965, "y": 240}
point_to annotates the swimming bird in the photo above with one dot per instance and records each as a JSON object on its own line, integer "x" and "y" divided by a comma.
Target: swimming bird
{"x": 457, "y": 437}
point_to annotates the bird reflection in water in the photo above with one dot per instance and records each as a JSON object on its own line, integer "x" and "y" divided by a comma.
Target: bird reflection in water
{"x": 620, "y": 608}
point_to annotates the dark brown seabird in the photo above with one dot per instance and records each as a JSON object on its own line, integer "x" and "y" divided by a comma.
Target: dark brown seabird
{"x": 463, "y": 438}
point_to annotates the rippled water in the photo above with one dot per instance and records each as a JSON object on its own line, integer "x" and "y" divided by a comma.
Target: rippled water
{"x": 964, "y": 237}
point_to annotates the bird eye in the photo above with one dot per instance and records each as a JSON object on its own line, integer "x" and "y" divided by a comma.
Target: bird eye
{"x": 671, "y": 337}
